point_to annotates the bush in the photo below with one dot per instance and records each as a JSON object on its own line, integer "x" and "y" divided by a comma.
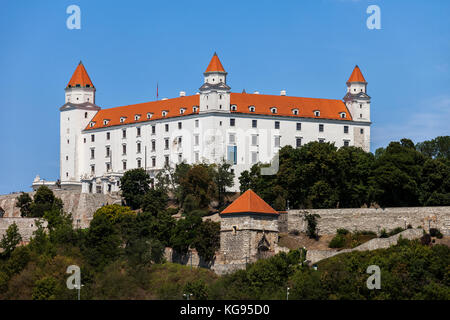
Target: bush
{"x": 383, "y": 233}
{"x": 426, "y": 239}
{"x": 342, "y": 231}
{"x": 435, "y": 233}
{"x": 337, "y": 242}
{"x": 395, "y": 231}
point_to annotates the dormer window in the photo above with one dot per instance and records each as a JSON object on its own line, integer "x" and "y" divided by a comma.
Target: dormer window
{"x": 122, "y": 119}
{"x": 194, "y": 108}
{"x": 88, "y": 86}
{"x": 78, "y": 85}
{"x": 343, "y": 115}
{"x": 91, "y": 124}
{"x": 137, "y": 117}
{"x": 273, "y": 110}
{"x": 251, "y": 108}
{"x": 295, "y": 112}
{"x": 233, "y": 107}
{"x": 105, "y": 122}
{"x": 317, "y": 113}
{"x": 182, "y": 110}
{"x": 164, "y": 113}
{"x": 149, "y": 115}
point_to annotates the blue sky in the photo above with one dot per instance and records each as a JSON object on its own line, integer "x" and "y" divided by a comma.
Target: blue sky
{"x": 308, "y": 48}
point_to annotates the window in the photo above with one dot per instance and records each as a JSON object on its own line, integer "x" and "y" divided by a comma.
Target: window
{"x": 195, "y": 109}
{"x": 137, "y": 117}
{"x": 153, "y": 145}
{"x": 196, "y": 140}
{"x": 295, "y": 112}
{"x": 196, "y": 156}
{"x": 180, "y": 157}
{"x": 254, "y": 157}
{"x": 84, "y": 140}
{"x": 321, "y": 140}
{"x": 299, "y": 126}
{"x": 108, "y": 167}
{"x": 138, "y": 147}
{"x": 343, "y": 115}
{"x": 254, "y": 139}
{"x": 251, "y": 109}
{"x": 105, "y": 122}
{"x": 317, "y": 113}
{"x": 68, "y": 141}
{"x": 180, "y": 125}
{"x": 166, "y": 160}
{"x": 277, "y": 124}
{"x": 232, "y": 122}
{"x": 138, "y": 131}
{"x": 232, "y": 154}
{"x": 232, "y": 138}
{"x": 139, "y": 163}
{"x": 360, "y": 115}
{"x": 124, "y": 149}
{"x": 196, "y": 123}
{"x": 92, "y": 153}
{"x": 124, "y": 133}
{"x": 149, "y": 115}
{"x": 122, "y": 119}
{"x": 273, "y": 110}
{"x": 254, "y": 123}
{"x": 298, "y": 142}
{"x": 108, "y": 135}
{"x": 91, "y": 124}
{"x": 85, "y": 115}
{"x": 182, "y": 110}
{"x": 320, "y": 127}
{"x": 92, "y": 168}
{"x": 166, "y": 143}
{"x": 360, "y": 105}
{"x": 67, "y": 158}
{"x": 346, "y": 143}
{"x": 345, "y": 129}
{"x": 92, "y": 137}
{"x": 108, "y": 150}
{"x": 180, "y": 140}
{"x": 277, "y": 141}
{"x": 124, "y": 165}
{"x": 167, "y": 127}
{"x": 164, "y": 113}
{"x": 153, "y": 129}
{"x": 361, "y": 131}
{"x": 233, "y": 107}
{"x": 153, "y": 161}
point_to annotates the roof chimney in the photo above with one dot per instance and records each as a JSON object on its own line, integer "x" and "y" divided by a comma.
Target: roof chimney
{"x": 182, "y": 93}
{"x": 164, "y": 99}
{"x": 256, "y": 92}
{"x": 282, "y": 92}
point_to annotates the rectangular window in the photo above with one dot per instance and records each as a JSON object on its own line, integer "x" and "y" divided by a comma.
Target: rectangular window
{"x": 166, "y": 160}
{"x": 138, "y": 147}
{"x": 92, "y": 168}
{"x": 196, "y": 123}
{"x": 138, "y": 131}
{"x": 254, "y": 139}
{"x": 298, "y": 142}
{"x": 153, "y": 162}
{"x": 180, "y": 125}
{"x": 345, "y": 129}
{"x": 92, "y": 138}
{"x": 180, "y": 158}
{"x": 277, "y": 141}
{"x": 108, "y": 135}
{"x": 153, "y": 129}
{"x": 124, "y": 149}
{"x": 299, "y": 126}
{"x": 180, "y": 140}
{"x": 138, "y": 163}
{"x": 346, "y": 143}
{"x": 277, "y": 124}
{"x": 153, "y": 145}
{"x": 361, "y": 131}
{"x": 108, "y": 167}
{"x": 320, "y": 127}
{"x": 108, "y": 148}
{"x": 166, "y": 143}
{"x": 232, "y": 122}
{"x": 254, "y": 123}
{"x": 197, "y": 156}
{"x": 232, "y": 154}
{"x": 124, "y": 165}
{"x": 167, "y": 127}
{"x": 196, "y": 140}
{"x": 232, "y": 138}
{"x": 254, "y": 157}
{"x": 124, "y": 133}
{"x": 92, "y": 153}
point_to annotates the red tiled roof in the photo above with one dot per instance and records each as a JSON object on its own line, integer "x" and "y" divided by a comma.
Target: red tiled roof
{"x": 356, "y": 76}
{"x": 80, "y": 76}
{"x": 249, "y": 202}
{"x": 329, "y": 108}
{"x": 215, "y": 64}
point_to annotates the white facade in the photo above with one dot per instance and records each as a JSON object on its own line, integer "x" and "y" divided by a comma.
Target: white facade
{"x": 98, "y": 157}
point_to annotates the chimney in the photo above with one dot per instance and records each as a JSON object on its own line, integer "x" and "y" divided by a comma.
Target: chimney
{"x": 164, "y": 99}
{"x": 282, "y": 92}
{"x": 182, "y": 93}
{"x": 256, "y": 92}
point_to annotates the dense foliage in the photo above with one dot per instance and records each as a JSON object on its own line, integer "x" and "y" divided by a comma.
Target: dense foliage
{"x": 319, "y": 175}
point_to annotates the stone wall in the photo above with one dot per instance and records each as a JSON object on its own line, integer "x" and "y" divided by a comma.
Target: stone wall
{"x": 82, "y": 206}
{"x": 26, "y": 227}
{"x": 373, "y": 219}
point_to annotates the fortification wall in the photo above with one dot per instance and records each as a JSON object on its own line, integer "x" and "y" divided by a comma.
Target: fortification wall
{"x": 373, "y": 219}
{"x": 26, "y": 227}
{"x": 82, "y": 206}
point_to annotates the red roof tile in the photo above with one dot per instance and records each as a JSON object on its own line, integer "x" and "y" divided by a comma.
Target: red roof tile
{"x": 215, "y": 65}
{"x": 249, "y": 202}
{"x": 356, "y": 76}
{"x": 81, "y": 77}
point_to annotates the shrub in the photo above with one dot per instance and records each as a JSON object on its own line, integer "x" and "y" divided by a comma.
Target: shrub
{"x": 426, "y": 239}
{"x": 435, "y": 233}
{"x": 383, "y": 233}
{"x": 311, "y": 219}
{"x": 342, "y": 231}
{"x": 395, "y": 231}
{"x": 337, "y": 242}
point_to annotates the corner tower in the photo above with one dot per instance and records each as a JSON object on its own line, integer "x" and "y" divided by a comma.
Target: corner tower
{"x": 75, "y": 115}
{"x": 215, "y": 93}
{"x": 356, "y": 99}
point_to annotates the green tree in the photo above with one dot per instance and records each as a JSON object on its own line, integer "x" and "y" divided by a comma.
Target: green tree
{"x": 207, "y": 239}
{"x": 45, "y": 289}
{"x": 24, "y": 202}
{"x": 10, "y": 240}
{"x": 44, "y": 200}
{"x": 135, "y": 184}
{"x": 154, "y": 201}
{"x": 223, "y": 179}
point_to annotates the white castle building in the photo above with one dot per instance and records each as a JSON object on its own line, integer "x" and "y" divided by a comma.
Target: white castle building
{"x": 99, "y": 145}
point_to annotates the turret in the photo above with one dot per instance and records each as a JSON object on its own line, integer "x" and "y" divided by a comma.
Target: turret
{"x": 356, "y": 99}
{"x": 80, "y": 88}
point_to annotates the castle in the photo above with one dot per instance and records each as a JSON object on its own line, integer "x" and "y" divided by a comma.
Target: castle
{"x": 98, "y": 145}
